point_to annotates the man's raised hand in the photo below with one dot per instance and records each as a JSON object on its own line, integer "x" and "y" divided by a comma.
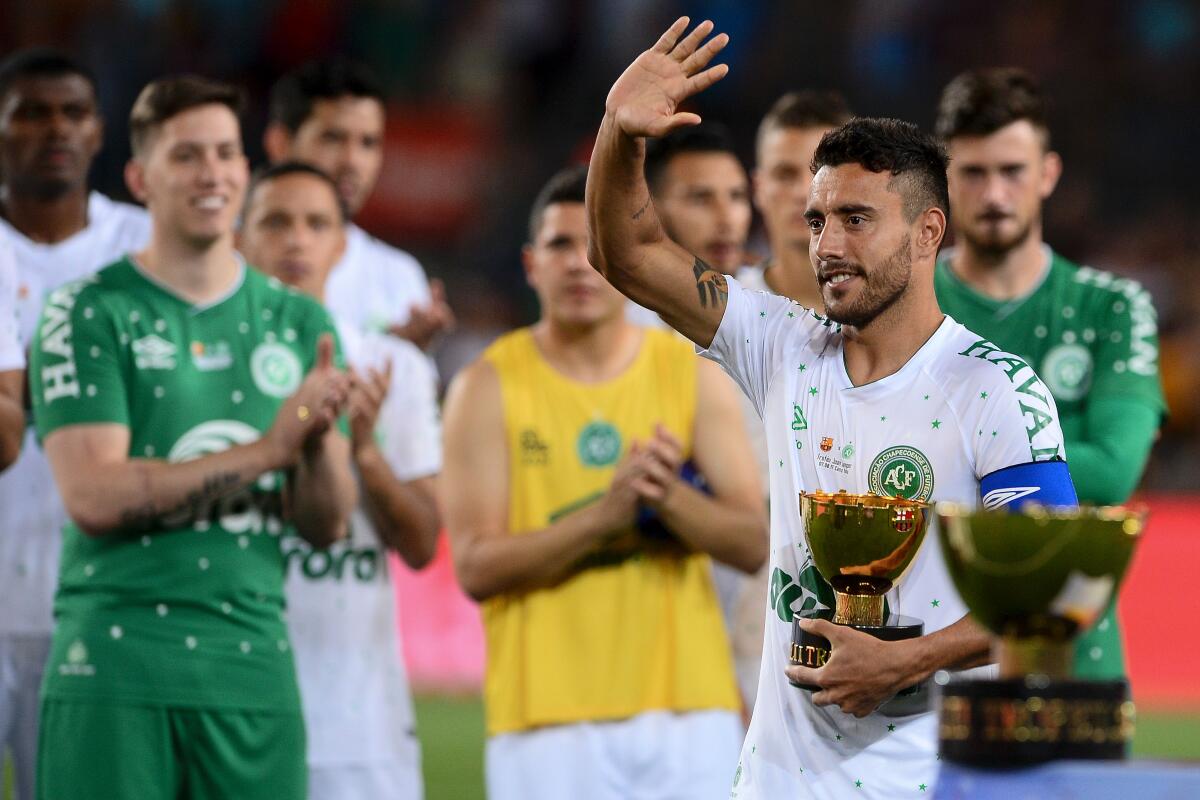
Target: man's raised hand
{"x": 645, "y": 99}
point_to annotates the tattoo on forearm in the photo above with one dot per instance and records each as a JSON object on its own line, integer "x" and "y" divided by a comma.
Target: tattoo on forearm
{"x": 641, "y": 212}
{"x": 711, "y": 285}
{"x": 195, "y": 505}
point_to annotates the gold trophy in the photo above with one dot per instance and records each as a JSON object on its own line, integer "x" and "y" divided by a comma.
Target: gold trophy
{"x": 862, "y": 544}
{"x": 1036, "y": 580}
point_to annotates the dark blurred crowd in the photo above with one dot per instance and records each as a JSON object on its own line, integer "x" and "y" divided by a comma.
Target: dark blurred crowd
{"x": 488, "y": 97}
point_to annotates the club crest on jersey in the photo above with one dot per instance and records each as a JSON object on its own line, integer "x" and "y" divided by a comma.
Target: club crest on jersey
{"x": 276, "y": 369}
{"x": 1067, "y": 371}
{"x": 901, "y": 471}
{"x": 826, "y": 444}
{"x": 599, "y": 444}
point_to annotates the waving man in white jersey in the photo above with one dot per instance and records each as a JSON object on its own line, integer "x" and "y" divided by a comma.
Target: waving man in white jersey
{"x": 883, "y": 394}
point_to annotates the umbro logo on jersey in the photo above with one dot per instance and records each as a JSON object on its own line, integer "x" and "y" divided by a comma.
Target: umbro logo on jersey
{"x": 153, "y": 352}
{"x": 1002, "y": 497}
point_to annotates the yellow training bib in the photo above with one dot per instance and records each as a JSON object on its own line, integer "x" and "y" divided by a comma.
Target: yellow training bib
{"x": 638, "y": 626}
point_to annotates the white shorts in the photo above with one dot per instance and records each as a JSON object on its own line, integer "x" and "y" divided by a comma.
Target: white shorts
{"x": 658, "y": 755}
{"x": 22, "y": 661}
{"x": 391, "y": 780}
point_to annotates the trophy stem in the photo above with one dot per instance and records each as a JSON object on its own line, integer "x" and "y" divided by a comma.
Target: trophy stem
{"x": 858, "y": 608}
{"x": 1034, "y": 655}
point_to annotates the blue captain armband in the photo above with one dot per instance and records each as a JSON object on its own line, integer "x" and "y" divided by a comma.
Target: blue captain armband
{"x": 1045, "y": 482}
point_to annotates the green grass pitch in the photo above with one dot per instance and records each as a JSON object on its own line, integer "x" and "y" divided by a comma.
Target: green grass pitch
{"x": 451, "y": 732}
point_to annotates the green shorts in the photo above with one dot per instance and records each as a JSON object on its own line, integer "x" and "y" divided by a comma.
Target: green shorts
{"x": 93, "y": 751}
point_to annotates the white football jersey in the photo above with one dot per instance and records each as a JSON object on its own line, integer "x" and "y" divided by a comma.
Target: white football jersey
{"x": 374, "y": 285}
{"x": 31, "y": 513}
{"x": 341, "y": 606}
{"x": 957, "y": 411}
{"x": 12, "y": 353}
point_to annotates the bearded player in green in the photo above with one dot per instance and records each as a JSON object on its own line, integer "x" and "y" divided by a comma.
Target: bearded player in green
{"x": 188, "y": 407}
{"x": 1091, "y": 336}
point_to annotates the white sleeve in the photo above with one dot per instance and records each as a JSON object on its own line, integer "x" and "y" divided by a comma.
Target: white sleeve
{"x": 412, "y": 283}
{"x": 12, "y": 355}
{"x": 410, "y": 426}
{"x": 1021, "y": 425}
{"x": 758, "y": 333}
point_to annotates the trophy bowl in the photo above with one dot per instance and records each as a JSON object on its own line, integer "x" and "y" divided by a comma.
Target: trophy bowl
{"x": 1036, "y": 580}
{"x": 862, "y": 545}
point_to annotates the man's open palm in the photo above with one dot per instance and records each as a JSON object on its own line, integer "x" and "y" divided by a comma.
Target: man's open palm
{"x": 644, "y": 99}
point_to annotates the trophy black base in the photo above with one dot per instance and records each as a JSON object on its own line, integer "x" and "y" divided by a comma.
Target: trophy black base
{"x": 811, "y": 650}
{"x": 1022, "y": 721}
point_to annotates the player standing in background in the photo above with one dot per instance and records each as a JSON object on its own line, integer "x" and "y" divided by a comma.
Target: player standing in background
{"x": 608, "y": 672}
{"x": 895, "y": 398}
{"x": 331, "y": 114}
{"x": 341, "y": 611}
{"x": 187, "y": 404}
{"x": 1091, "y": 335}
{"x": 50, "y": 132}
{"x": 702, "y": 193}
{"x": 12, "y": 384}
{"x": 787, "y": 138}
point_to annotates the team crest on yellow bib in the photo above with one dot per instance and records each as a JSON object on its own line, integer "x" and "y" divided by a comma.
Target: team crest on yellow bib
{"x": 276, "y": 369}
{"x": 901, "y": 471}
{"x": 599, "y": 444}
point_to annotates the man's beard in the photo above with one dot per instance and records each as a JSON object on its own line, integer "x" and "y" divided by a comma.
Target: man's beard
{"x": 994, "y": 247}
{"x": 881, "y": 289}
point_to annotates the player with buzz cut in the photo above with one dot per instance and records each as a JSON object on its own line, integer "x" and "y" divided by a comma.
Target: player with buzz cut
{"x": 341, "y": 609}
{"x": 58, "y": 231}
{"x": 1092, "y": 335}
{"x": 188, "y": 407}
{"x": 331, "y": 114}
{"x": 787, "y": 138}
{"x": 883, "y": 394}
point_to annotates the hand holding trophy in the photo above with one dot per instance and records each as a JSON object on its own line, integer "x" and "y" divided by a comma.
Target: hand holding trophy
{"x": 862, "y": 544}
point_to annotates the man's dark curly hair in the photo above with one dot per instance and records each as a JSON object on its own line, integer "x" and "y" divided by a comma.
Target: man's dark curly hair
{"x": 915, "y": 159}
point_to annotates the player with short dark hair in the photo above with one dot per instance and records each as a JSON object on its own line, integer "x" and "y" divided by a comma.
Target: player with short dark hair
{"x": 58, "y": 230}
{"x": 702, "y": 193}
{"x": 332, "y": 114}
{"x": 188, "y": 407}
{"x": 883, "y": 394}
{"x": 1092, "y": 335}
{"x": 787, "y": 138}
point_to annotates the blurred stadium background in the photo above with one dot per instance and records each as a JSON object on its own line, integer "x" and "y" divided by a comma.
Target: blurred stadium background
{"x": 488, "y": 97}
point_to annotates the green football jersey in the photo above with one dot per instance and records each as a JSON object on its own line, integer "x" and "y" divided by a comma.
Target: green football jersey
{"x": 1089, "y": 334}
{"x": 190, "y": 614}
